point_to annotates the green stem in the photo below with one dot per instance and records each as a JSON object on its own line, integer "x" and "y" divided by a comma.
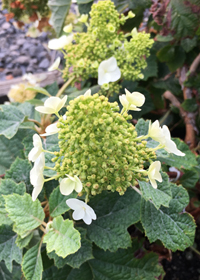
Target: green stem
{"x": 160, "y": 146}
{"x": 52, "y": 153}
{"x": 34, "y": 121}
{"x": 47, "y": 167}
{"x": 62, "y": 89}
{"x": 51, "y": 178}
{"x": 142, "y": 137}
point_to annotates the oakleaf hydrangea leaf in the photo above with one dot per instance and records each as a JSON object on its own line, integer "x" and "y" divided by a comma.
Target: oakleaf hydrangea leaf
{"x": 24, "y": 212}
{"x": 159, "y": 196}
{"x": 11, "y": 118}
{"x": 124, "y": 265}
{"x": 9, "y": 251}
{"x": 174, "y": 228}
{"x": 115, "y": 214}
{"x": 62, "y": 237}
{"x": 8, "y": 186}
{"x": 77, "y": 259}
{"x": 23, "y": 242}
{"x": 68, "y": 273}
{"x": 20, "y": 171}
{"x": 32, "y": 263}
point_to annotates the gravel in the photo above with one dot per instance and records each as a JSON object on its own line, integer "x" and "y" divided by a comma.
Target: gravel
{"x": 20, "y": 54}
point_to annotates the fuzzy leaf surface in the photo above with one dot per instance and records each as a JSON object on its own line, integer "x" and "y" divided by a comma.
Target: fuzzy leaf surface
{"x": 25, "y": 213}
{"x": 7, "y": 187}
{"x": 9, "y": 251}
{"x": 20, "y": 171}
{"x": 115, "y": 214}
{"x": 159, "y": 196}
{"x": 124, "y": 265}
{"x": 57, "y": 202}
{"x": 10, "y": 149}
{"x": 62, "y": 237}
{"x": 77, "y": 259}
{"x": 6, "y": 275}
{"x": 32, "y": 263}
{"x": 68, "y": 273}
{"x": 175, "y": 229}
{"x": 11, "y": 118}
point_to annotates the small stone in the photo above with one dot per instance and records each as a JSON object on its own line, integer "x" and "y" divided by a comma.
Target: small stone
{"x": 41, "y": 55}
{"x": 21, "y": 42}
{"x": 6, "y": 25}
{"x": 13, "y": 48}
{"x": 44, "y": 63}
{"x": 33, "y": 51}
{"x": 14, "y": 53}
{"x": 16, "y": 72}
{"x": 22, "y": 60}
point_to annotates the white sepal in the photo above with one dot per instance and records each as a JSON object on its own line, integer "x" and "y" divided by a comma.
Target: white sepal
{"x": 55, "y": 65}
{"x": 108, "y": 71}
{"x": 51, "y": 129}
{"x": 153, "y": 173}
{"x": 37, "y": 149}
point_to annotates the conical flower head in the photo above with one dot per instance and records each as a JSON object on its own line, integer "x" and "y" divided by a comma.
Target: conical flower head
{"x": 98, "y": 145}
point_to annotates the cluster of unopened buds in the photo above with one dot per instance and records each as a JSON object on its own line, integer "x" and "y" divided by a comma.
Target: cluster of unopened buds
{"x": 72, "y": 182}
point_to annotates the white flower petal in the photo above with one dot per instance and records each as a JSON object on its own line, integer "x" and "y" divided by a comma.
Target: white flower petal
{"x": 55, "y": 65}
{"x": 88, "y": 93}
{"x": 67, "y": 186}
{"x": 68, "y": 28}
{"x": 81, "y": 210}
{"x": 78, "y": 214}
{"x": 74, "y": 203}
{"x": 135, "y": 98}
{"x": 87, "y": 219}
{"x": 57, "y": 44}
{"x": 36, "y": 191}
{"x": 108, "y": 71}
{"x": 51, "y": 129}
{"x": 52, "y": 105}
{"x": 153, "y": 183}
{"x": 115, "y": 75}
{"x": 153, "y": 173}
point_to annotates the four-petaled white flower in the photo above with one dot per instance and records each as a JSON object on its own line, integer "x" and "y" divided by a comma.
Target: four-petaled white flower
{"x": 170, "y": 146}
{"x": 37, "y": 149}
{"x": 82, "y": 210}
{"x": 60, "y": 43}
{"x": 55, "y": 65}
{"x": 51, "y": 129}
{"x": 153, "y": 173}
{"x": 67, "y": 185}
{"x": 108, "y": 71}
{"x": 155, "y": 131}
{"x": 68, "y": 28}
{"x": 130, "y": 101}
{"x": 52, "y": 105}
{"x": 36, "y": 176}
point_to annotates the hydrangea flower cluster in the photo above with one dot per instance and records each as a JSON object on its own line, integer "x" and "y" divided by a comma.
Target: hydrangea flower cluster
{"x": 99, "y": 149}
{"x": 103, "y": 41}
